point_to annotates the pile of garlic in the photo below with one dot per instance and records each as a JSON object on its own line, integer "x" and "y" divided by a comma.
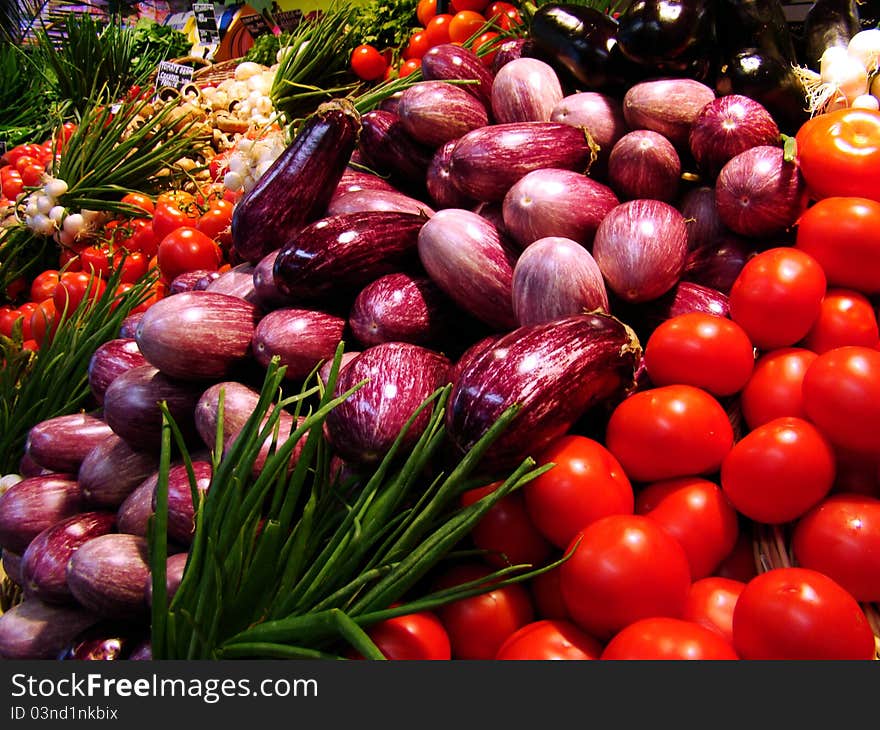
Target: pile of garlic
{"x": 848, "y": 76}
{"x": 245, "y": 95}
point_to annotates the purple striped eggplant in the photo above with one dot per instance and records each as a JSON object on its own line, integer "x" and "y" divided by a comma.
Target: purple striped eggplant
{"x": 32, "y": 505}
{"x": 508, "y": 51}
{"x": 61, "y": 443}
{"x": 357, "y": 180}
{"x": 389, "y": 149}
{"x": 133, "y": 515}
{"x": 237, "y": 282}
{"x": 111, "y": 359}
{"x": 174, "y": 568}
{"x": 448, "y": 62}
{"x": 192, "y": 280}
{"x": 181, "y": 511}
{"x": 435, "y": 112}
{"x": 10, "y": 562}
{"x": 37, "y": 630}
{"x": 600, "y": 114}
{"x": 295, "y": 190}
{"x": 401, "y": 308}
{"x": 44, "y": 563}
{"x": 197, "y": 335}
{"x": 112, "y": 470}
{"x": 555, "y": 371}
{"x": 107, "y": 573}
{"x": 466, "y": 256}
{"x": 301, "y": 338}
{"x": 400, "y": 376}
{"x": 525, "y": 90}
{"x": 129, "y": 325}
{"x": 268, "y": 295}
{"x": 683, "y": 298}
{"x": 488, "y": 161}
{"x": 361, "y": 201}
{"x": 439, "y": 180}
{"x": 131, "y": 405}
{"x": 669, "y": 106}
{"x": 346, "y": 252}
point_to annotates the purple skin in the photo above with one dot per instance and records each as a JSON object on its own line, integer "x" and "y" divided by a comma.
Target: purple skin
{"x": 188, "y": 280}
{"x": 134, "y": 513}
{"x": 718, "y": 263}
{"x": 448, "y": 62}
{"x": 644, "y": 164}
{"x": 129, "y": 325}
{"x": 439, "y": 180}
{"x": 389, "y": 149}
{"x": 435, "y": 112}
{"x": 37, "y": 630}
{"x": 34, "y": 504}
{"x": 61, "y": 443}
{"x": 601, "y": 115}
{"x": 361, "y": 201}
{"x": 110, "y": 360}
{"x": 302, "y": 338}
{"x": 268, "y": 295}
{"x": 401, "y": 376}
{"x": 356, "y": 180}
{"x": 173, "y": 576}
{"x": 181, "y": 511}
{"x": 237, "y": 282}
{"x": 701, "y": 215}
{"x": 11, "y": 563}
{"x": 113, "y": 470}
{"x": 525, "y": 90}
{"x": 668, "y": 106}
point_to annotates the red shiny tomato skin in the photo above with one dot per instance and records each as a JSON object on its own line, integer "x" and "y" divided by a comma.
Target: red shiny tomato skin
{"x": 711, "y": 602}
{"x": 586, "y": 484}
{"x": 546, "y": 592}
{"x": 673, "y": 431}
{"x": 775, "y": 388}
{"x": 797, "y": 614}
{"x": 845, "y": 318}
{"x": 43, "y": 286}
{"x": 777, "y": 472}
{"x": 414, "y": 636}
{"x": 740, "y": 564}
{"x": 623, "y": 568}
{"x": 840, "y": 538}
{"x": 187, "y": 249}
{"x": 842, "y": 397}
{"x": 549, "y": 640}
{"x": 663, "y": 638}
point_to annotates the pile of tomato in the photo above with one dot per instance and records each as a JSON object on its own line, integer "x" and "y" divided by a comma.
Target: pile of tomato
{"x": 463, "y": 21}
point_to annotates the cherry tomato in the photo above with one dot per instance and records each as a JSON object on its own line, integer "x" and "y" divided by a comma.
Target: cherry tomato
{"x": 546, "y": 590}
{"x": 139, "y": 200}
{"x": 506, "y": 530}
{"x": 845, "y": 318}
{"x": 697, "y": 514}
{"x": 16, "y": 287}
{"x": 740, "y": 564}
{"x": 839, "y": 153}
{"x": 486, "y": 39}
{"x": 367, "y": 63}
{"x": 479, "y": 625}
{"x": 407, "y": 67}
{"x": 504, "y": 15}
{"x": 73, "y": 287}
{"x": 97, "y": 260}
{"x": 437, "y": 30}
{"x": 549, "y": 640}
{"x": 586, "y": 484}
{"x": 417, "y": 46}
{"x": 662, "y": 638}
{"x": 24, "y": 162}
{"x": 133, "y": 265}
{"x": 32, "y": 175}
{"x": 777, "y": 296}
{"x": 464, "y": 24}
{"x": 711, "y": 602}
{"x": 31, "y": 345}
{"x": 8, "y": 317}
{"x": 667, "y": 432}
{"x": 140, "y": 236}
{"x": 700, "y": 349}
{"x": 623, "y": 568}
{"x": 414, "y": 636}
{"x": 23, "y": 315}
{"x": 12, "y": 186}
{"x": 425, "y": 10}
{"x": 169, "y": 217}
{"x": 187, "y": 249}
{"x": 797, "y": 614}
{"x": 840, "y": 538}
{"x": 477, "y": 5}
{"x": 44, "y": 321}
{"x": 778, "y": 471}
{"x": 842, "y": 397}
{"x": 775, "y": 388}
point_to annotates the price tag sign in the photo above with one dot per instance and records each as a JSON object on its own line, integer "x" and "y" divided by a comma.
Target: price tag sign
{"x": 173, "y": 76}
{"x": 255, "y": 24}
{"x": 288, "y": 20}
{"x": 206, "y": 24}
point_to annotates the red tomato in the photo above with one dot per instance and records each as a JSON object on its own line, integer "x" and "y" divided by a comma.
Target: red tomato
{"x": 97, "y": 260}
{"x": 139, "y": 200}
{"x": 699, "y": 349}
{"x": 407, "y": 67}
{"x": 16, "y": 287}
{"x": 25, "y": 313}
{"x": 367, "y": 63}
{"x": 414, "y": 636}
{"x": 778, "y": 471}
{"x": 486, "y": 39}
{"x": 479, "y": 625}
{"x": 797, "y": 614}
{"x": 425, "y": 10}
{"x": 134, "y": 266}
{"x": 187, "y": 249}
{"x": 68, "y": 260}
{"x": 478, "y": 5}
{"x": 586, "y": 484}
{"x": 417, "y": 46}
{"x": 11, "y": 187}
{"x": 437, "y": 30}
{"x": 840, "y": 538}
{"x": 777, "y": 296}
{"x": 549, "y": 640}
{"x": 845, "y": 318}
{"x": 464, "y": 24}
{"x": 843, "y": 235}
{"x": 44, "y": 284}
{"x": 140, "y": 236}
{"x": 25, "y": 161}
{"x": 839, "y": 153}
{"x": 661, "y": 638}
{"x": 44, "y": 321}
{"x": 774, "y": 390}
{"x": 546, "y": 590}
{"x": 8, "y": 317}
{"x": 216, "y": 221}
{"x": 842, "y": 397}
{"x": 32, "y": 175}
{"x": 169, "y": 217}
{"x": 711, "y": 602}
{"x": 504, "y": 15}
{"x": 624, "y": 568}
{"x": 31, "y": 345}
{"x": 506, "y": 530}
{"x": 674, "y": 431}
{"x": 73, "y": 287}
{"x": 697, "y": 514}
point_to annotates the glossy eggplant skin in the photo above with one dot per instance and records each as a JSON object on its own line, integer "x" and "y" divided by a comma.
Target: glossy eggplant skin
{"x": 758, "y": 24}
{"x": 829, "y": 23}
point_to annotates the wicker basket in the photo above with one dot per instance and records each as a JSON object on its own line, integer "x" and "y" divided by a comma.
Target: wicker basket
{"x": 772, "y": 547}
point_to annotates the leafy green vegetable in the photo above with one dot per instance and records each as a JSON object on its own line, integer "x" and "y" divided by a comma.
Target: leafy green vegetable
{"x": 266, "y": 47}
{"x": 386, "y": 24}
{"x": 150, "y": 37}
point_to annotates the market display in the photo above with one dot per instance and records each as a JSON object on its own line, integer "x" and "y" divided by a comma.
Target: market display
{"x": 451, "y": 331}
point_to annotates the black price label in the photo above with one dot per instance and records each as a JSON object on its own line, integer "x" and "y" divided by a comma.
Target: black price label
{"x": 206, "y": 23}
{"x": 173, "y": 75}
{"x": 288, "y": 20}
{"x": 255, "y": 24}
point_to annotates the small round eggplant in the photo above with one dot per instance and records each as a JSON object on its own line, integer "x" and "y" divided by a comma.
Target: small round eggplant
{"x": 644, "y": 164}
{"x": 390, "y": 150}
{"x": 134, "y": 513}
{"x": 111, "y": 359}
{"x": 666, "y": 106}
{"x": 435, "y": 112}
{"x": 525, "y": 90}
{"x": 439, "y": 180}
{"x": 301, "y": 338}
{"x": 37, "y": 630}
{"x": 181, "y": 510}
{"x": 112, "y": 470}
{"x": 448, "y": 62}
{"x": 61, "y": 443}
{"x": 33, "y": 505}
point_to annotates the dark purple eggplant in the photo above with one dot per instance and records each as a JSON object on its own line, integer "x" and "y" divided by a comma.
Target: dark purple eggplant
{"x": 668, "y": 106}
{"x": 131, "y": 405}
{"x": 345, "y": 252}
{"x": 757, "y": 23}
{"x": 61, "y": 443}
{"x": 143, "y": 652}
{"x": 441, "y": 189}
{"x": 106, "y": 575}
{"x": 112, "y": 470}
{"x": 356, "y": 180}
{"x": 400, "y": 377}
{"x": 174, "y": 567}
{"x": 10, "y": 563}
{"x": 717, "y": 263}
{"x": 268, "y": 295}
{"x": 197, "y": 335}
{"x": 488, "y": 161}
{"x": 435, "y": 112}
{"x": 555, "y": 371}
{"x": 401, "y": 308}
{"x": 448, "y": 62}
{"x": 472, "y": 263}
{"x": 134, "y": 513}
{"x": 32, "y": 505}
{"x": 181, "y": 511}
{"x": 27, "y": 467}
{"x": 37, "y": 630}
{"x": 297, "y": 187}
{"x": 237, "y": 282}
{"x": 44, "y": 563}
{"x": 362, "y": 201}
{"x": 105, "y": 641}
{"x": 704, "y": 225}
{"x": 684, "y": 298}
{"x": 301, "y": 338}
{"x": 829, "y": 24}
{"x": 110, "y": 360}
{"x": 507, "y": 51}
{"x": 390, "y": 150}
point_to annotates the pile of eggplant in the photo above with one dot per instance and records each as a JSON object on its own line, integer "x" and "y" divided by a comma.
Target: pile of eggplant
{"x": 484, "y": 228}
